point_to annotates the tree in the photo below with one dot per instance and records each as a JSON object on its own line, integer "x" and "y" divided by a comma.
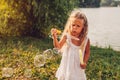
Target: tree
{"x": 90, "y": 3}
{"x": 33, "y": 17}
{"x": 13, "y": 21}
{"x": 51, "y": 14}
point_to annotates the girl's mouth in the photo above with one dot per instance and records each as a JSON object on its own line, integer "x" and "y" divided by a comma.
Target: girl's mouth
{"x": 73, "y": 33}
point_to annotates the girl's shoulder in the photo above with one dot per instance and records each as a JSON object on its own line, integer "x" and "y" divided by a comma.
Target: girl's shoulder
{"x": 66, "y": 36}
{"x": 87, "y": 42}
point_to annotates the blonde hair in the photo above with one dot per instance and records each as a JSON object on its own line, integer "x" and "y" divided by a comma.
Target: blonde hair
{"x": 77, "y": 14}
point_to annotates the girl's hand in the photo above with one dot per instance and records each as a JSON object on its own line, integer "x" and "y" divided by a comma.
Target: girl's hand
{"x": 54, "y": 32}
{"x": 83, "y": 66}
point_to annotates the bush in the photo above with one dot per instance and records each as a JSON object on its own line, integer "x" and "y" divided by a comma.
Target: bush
{"x": 33, "y": 17}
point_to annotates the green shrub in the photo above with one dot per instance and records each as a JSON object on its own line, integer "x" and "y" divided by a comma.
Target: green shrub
{"x": 33, "y": 17}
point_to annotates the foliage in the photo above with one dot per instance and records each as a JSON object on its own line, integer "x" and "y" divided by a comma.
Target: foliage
{"x": 90, "y": 3}
{"x": 110, "y": 3}
{"x": 19, "y": 53}
{"x": 48, "y": 14}
{"x": 12, "y": 18}
{"x": 104, "y": 64}
{"x": 33, "y": 17}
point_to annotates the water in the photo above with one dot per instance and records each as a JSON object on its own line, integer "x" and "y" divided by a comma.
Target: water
{"x": 104, "y": 26}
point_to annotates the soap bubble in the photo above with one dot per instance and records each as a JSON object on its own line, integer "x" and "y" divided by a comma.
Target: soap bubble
{"x": 56, "y": 51}
{"x": 39, "y": 60}
{"x": 7, "y": 72}
{"x": 48, "y": 53}
{"x": 28, "y": 73}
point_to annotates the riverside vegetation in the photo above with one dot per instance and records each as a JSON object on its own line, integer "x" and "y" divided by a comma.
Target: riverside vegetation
{"x": 18, "y": 53}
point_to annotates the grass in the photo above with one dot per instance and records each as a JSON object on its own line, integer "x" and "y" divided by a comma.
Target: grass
{"x": 104, "y": 64}
{"x": 19, "y": 52}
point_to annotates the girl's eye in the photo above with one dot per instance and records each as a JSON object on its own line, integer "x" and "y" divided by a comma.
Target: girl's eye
{"x": 73, "y": 25}
{"x": 78, "y": 26}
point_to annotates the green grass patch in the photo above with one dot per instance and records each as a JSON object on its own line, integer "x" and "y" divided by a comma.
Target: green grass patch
{"x": 104, "y": 64}
{"x": 19, "y": 52}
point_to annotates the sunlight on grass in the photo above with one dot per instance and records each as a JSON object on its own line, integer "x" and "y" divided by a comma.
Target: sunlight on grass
{"x": 32, "y": 59}
{"x": 3, "y": 5}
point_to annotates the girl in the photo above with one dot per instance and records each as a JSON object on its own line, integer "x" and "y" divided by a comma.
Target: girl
{"x": 74, "y": 39}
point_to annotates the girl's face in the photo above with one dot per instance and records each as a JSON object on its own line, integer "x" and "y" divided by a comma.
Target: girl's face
{"x": 76, "y": 27}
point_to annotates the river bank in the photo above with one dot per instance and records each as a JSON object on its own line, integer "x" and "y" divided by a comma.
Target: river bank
{"x": 19, "y": 53}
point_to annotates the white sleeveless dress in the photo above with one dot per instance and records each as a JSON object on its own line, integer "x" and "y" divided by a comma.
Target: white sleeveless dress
{"x": 69, "y": 68}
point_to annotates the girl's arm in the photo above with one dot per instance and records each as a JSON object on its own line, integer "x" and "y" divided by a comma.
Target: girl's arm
{"x": 59, "y": 44}
{"x": 86, "y": 56}
{"x": 87, "y": 52}
{"x": 56, "y": 43}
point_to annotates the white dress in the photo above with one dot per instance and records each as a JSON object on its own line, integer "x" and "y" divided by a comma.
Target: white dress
{"x": 69, "y": 68}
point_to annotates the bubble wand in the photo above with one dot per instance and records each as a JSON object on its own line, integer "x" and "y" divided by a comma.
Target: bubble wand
{"x": 81, "y": 56}
{"x": 58, "y": 33}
